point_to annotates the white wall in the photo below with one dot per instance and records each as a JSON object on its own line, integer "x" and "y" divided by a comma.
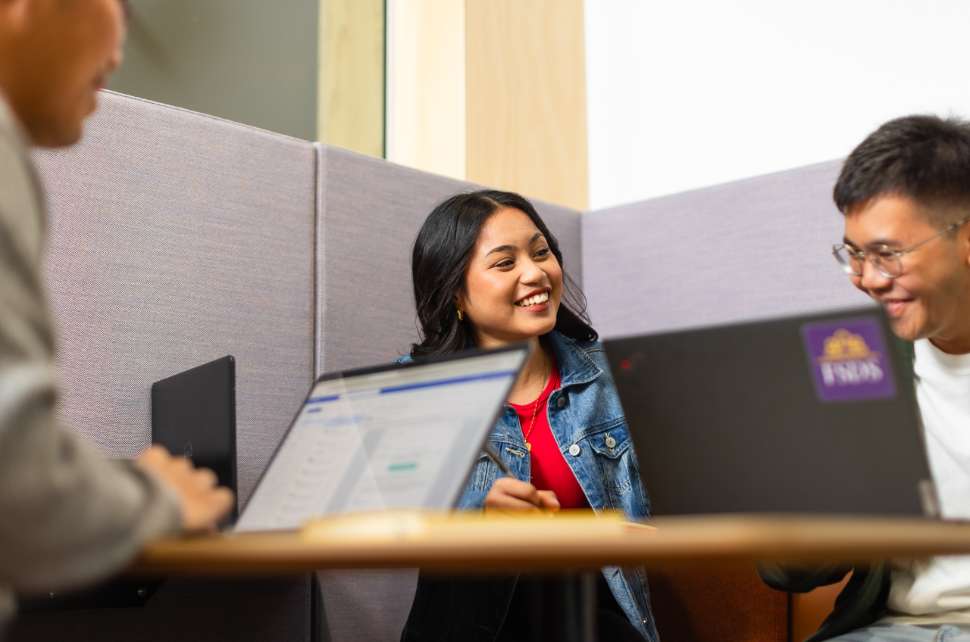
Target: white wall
{"x": 688, "y": 93}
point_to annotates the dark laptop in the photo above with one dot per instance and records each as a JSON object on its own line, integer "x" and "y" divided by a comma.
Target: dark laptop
{"x": 194, "y": 414}
{"x": 805, "y": 414}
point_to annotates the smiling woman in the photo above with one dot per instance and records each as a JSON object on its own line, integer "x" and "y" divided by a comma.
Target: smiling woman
{"x": 487, "y": 272}
{"x": 461, "y": 236}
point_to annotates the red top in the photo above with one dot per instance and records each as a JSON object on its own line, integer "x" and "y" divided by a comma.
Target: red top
{"x": 549, "y": 469}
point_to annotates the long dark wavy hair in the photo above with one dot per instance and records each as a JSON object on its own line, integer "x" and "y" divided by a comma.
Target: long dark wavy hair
{"x": 440, "y": 259}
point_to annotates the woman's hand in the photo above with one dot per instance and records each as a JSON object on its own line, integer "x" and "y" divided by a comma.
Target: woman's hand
{"x": 510, "y": 494}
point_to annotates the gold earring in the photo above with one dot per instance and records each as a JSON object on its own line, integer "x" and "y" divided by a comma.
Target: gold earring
{"x": 461, "y": 316}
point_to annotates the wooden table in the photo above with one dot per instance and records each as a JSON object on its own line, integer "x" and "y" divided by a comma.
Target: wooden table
{"x": 476, "y": 542}
{"x": 571, "y": 545}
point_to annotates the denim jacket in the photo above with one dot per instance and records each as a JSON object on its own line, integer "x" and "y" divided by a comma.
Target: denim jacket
{"x": 587, "y": 422}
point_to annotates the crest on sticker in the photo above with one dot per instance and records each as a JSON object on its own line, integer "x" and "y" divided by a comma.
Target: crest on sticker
{"x": 849, "y": 360}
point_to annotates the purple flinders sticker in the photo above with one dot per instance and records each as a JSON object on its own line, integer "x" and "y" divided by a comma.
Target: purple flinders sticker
{"x": 849, "y": 360}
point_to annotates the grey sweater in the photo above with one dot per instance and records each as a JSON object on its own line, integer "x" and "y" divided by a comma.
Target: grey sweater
{"x": 68, "y": 515}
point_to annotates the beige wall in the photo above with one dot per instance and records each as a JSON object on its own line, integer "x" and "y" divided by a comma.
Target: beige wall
{"x": 526, "y": 97}
{"x": 492, "y": 91}
{"x": 351, "y": 81}
{"x": 426, "y": 122}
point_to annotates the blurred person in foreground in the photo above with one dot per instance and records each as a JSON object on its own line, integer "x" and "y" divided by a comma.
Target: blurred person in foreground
{"x": 904, "y": 193}
{"x": 68, "y": 516}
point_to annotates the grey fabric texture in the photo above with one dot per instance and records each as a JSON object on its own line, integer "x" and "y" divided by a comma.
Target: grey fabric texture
{"x": 370, "y": 212}
{"x": 755, "y": 248}
{"x": 176, "y": 238}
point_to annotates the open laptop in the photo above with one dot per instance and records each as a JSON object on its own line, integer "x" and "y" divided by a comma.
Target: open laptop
{"x": 805, "y": 414}
{"x": 399, "y": 436}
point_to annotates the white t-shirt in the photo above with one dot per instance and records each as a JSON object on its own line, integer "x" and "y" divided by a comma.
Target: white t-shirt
{"x": 938, "y": 588}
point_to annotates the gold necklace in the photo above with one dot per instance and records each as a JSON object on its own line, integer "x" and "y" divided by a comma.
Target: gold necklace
{"x": 535, "y": 410}
{"x": 532, "y": 422}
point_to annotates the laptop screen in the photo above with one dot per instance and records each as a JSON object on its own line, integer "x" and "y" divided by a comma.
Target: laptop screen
{"x": 399, "y": 436}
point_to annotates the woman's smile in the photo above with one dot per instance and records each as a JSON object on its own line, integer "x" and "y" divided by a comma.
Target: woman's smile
{"x": 535, "y": 301}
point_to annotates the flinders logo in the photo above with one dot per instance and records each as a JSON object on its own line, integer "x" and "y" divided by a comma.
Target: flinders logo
{"x": 847, "y": 360}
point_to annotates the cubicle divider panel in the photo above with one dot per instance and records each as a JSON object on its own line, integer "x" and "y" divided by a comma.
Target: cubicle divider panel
{"x": 370, "y": 212}
{"x": 176, "y": 238}
{"x": 754, "y": 248}
{"x": 369, "y": 215}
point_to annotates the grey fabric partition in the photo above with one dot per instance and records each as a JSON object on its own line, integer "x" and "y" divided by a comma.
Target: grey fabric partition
{"x": 177, "y": 238}
{"x": 754, "y": 248}
{"x": 369, "y": 215}
{"x": 370, "y": 212}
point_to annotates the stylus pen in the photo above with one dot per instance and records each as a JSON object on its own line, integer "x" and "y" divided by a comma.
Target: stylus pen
{"x": 494, "y": 456}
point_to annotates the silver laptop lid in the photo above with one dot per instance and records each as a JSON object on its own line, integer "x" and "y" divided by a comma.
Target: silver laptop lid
{"x": 391, "y": 437}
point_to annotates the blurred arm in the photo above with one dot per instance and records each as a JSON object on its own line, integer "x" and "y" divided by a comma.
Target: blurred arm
{"x": 67, "y": 515}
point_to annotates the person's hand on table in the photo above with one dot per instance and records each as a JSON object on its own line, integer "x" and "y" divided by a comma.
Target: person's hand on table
{"x": 508, "y": 494}
{"x": 203, "y": 502}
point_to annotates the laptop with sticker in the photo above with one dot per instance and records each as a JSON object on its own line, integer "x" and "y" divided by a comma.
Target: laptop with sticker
{"x": 803, "y": 414}
{"x": 397, "y": 436}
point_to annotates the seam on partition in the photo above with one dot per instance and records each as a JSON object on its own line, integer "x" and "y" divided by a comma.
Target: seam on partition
{"x": 581, "y": 259}
{"x": 319, "y": 258}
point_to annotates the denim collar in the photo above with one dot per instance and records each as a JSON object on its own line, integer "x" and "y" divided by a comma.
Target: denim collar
{"x": 576, "y": 367}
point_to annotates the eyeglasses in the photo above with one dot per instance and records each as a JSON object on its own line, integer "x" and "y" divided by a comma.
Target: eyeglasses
{"x": 887, "y": 261}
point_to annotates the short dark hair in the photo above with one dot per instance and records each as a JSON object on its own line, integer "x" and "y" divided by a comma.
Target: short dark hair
{"x": 440, "y": 259}
{"x": 924, "y": 157}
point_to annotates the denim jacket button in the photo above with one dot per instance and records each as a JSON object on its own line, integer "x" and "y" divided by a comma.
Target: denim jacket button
{"x": 574, "y": 450}
{"x": 561, "y": 401}
{"x": 610, "y": 442}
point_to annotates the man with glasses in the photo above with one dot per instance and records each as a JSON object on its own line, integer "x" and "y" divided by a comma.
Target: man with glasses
{"x": 904, "y": 193}
{"x": 68, "y": 516}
